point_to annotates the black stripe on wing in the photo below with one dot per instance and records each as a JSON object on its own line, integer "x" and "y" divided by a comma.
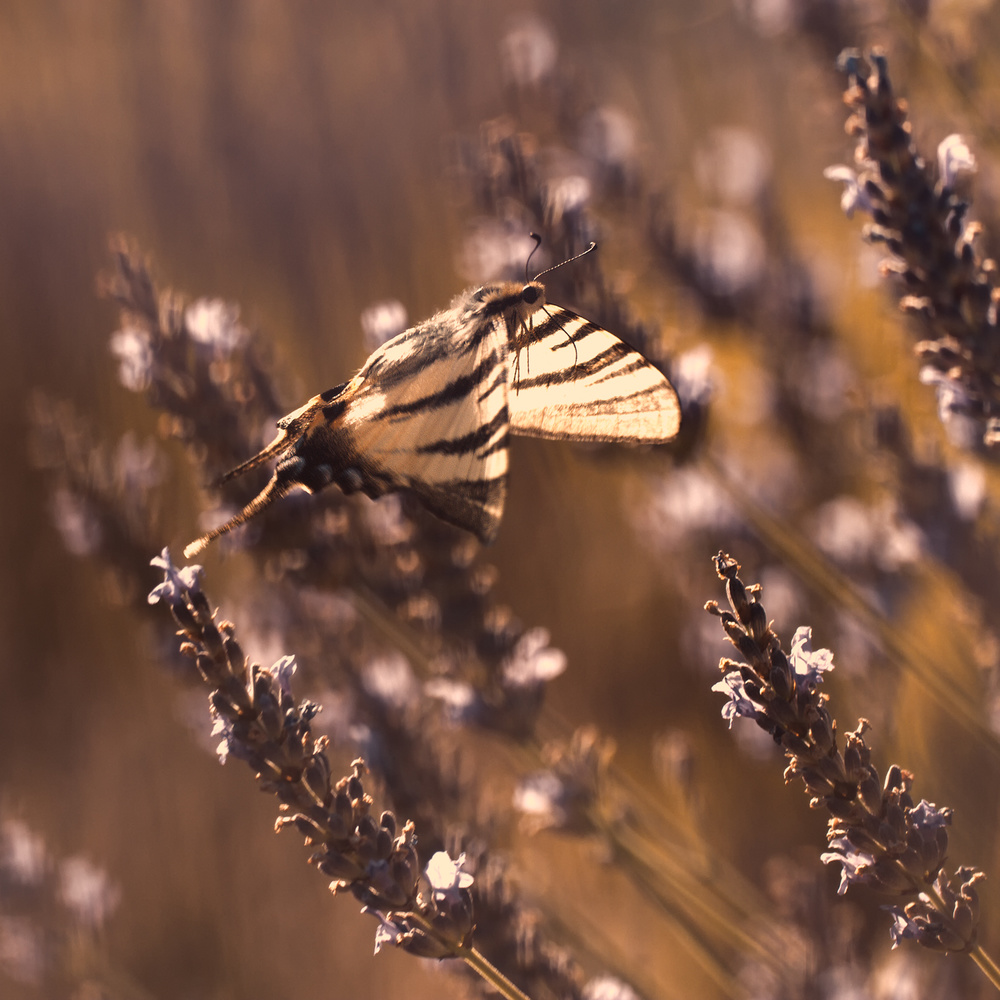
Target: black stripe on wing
{"x": 458, "y": 388}
{"x": 441, "y": 341}
{"x": 470, "y": 443}
{"x": 557, "y": 322}
{"x": 582, "y": 369}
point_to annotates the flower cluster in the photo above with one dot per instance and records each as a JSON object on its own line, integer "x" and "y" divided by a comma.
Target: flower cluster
{"x": 921, "y": 220}
{"x": 260, "y": 723}
{"x": 876, "y": 833}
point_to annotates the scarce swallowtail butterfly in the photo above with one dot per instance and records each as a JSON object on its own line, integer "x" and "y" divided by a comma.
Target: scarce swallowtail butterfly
{"x": 432, "y": 409}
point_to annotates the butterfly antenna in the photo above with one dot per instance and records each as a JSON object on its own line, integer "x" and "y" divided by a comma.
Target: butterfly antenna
{"x": 569, "y": 260}
{"x": 273, "y": 491}
{"x": 538, "y": 243}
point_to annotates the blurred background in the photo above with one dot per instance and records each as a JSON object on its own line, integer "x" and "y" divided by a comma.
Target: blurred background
{"x": 308, "y": 162}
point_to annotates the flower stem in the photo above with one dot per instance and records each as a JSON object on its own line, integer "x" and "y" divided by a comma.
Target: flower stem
{"x": 987, "y": 965}
{"x": 476, "y": 961}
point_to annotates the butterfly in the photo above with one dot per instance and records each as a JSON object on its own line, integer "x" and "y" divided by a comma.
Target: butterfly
{"x": 432, "y": 409}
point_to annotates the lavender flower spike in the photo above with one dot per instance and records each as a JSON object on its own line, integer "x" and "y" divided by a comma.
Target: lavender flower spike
{"x": 374, "y": 860}
{"x": 876, "y": 833}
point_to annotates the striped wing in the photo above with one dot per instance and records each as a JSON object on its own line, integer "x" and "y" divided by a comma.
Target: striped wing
{"x": 572, "y": 380}
{"x": 429, "y": 412}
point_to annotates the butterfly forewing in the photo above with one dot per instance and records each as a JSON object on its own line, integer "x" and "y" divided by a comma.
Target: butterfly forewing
{"x": 435, "y": 420}
{"x": 570, "y": 379}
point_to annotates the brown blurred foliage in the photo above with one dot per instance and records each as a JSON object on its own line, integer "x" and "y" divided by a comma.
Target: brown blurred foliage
{"x": 301, "y": 160}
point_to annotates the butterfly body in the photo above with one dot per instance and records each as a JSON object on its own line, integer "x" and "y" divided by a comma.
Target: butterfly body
{"x": 432, "y": 409}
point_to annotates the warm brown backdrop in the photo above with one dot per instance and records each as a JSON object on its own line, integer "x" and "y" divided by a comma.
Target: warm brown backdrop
{"x": 294, "y": 158}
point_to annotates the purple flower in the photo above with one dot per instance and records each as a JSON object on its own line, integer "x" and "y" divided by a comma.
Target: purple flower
{"x": 728, "y": 251}
{"x": 733, "y": 165}
{"x": 446, "y": 878}
{"x": 460, "y": 700}
{"x": 389, "y": 931}
{"x": 856, "y": 863}
{"x": 215, "y": 323}
{"x": 608, "y": 988}
{"x": 132, "y": 349}
{"x": 739, "y": 703}
{"x": 87, "y": 892}
{"x": 927, "y": 816}
{"x": 382, "y": 321}
{"x": 390, "y": 679}
{"x": 528, "y": 52}
{"x": 76, "y": 523}
{"x": 175, "y": 581}
{"x": 692, "y": 375}
{"x": 23, "y": 857}
{"x": 282, "y": 671}
{"x": 854, "y": 197}
{"x": 533, "y": 661}
{"x": 902, "y": 926}
{"x": 224, "y": 728}
{"x": 809, "y": 664}
{"x": 954, "y": 158}
{"x": 542, "y": 797}
{"x": 565, "y": 195}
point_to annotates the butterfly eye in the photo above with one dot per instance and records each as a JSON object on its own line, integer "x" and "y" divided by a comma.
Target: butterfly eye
{"x": 529, "y": 295}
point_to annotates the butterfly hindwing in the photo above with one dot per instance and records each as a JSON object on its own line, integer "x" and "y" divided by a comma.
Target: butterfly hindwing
{"x": 573, "y": 380}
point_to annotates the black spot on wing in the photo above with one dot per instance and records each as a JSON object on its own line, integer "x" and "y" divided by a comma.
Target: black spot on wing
{"x": 554, "y": 320}
{"x": 627, "y": 397}
{"x": 585, "y": 330}
{"x": 500, "y": 379}
{"x": 498, "y": 445}
{"x": 557, "y": 320}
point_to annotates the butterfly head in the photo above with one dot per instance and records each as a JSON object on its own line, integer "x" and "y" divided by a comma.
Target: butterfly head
{"x": 519, "y": 305}
{"x": 530, "y": 299}
{"x": 512, "y": 300}
{"x": 533, "y": 294}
